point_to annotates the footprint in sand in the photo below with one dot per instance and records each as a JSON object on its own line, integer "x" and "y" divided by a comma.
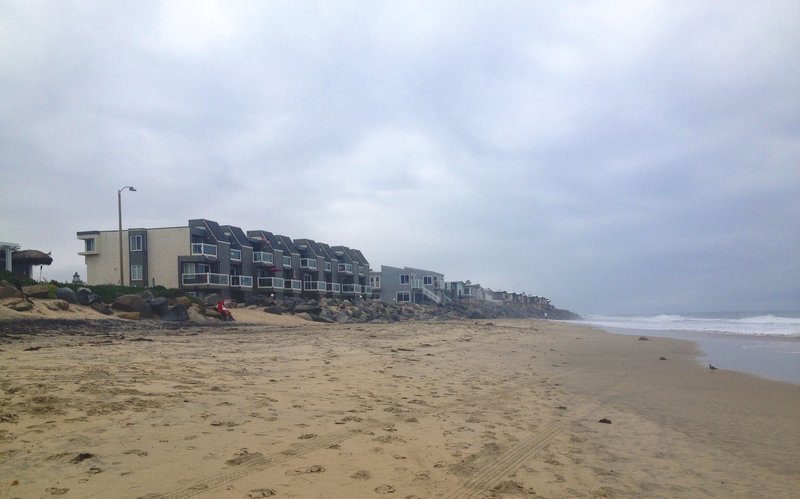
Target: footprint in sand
{"x": 258, "y": 493}
{"x": 384, "y": 489}
{"x": 361, "y": 475}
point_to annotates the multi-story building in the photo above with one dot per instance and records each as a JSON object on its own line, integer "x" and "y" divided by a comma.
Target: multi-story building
{"x": 204, "y": 257}
{"x": 408, "y": 284}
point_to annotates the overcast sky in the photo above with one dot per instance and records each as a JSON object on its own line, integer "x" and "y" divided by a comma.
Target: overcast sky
{"x": 616, "y": 157}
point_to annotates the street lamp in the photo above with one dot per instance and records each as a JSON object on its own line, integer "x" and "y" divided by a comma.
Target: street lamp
{"x": 119, "y": 209}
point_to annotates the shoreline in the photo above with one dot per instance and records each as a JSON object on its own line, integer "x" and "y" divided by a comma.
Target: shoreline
{"x": 491, "y": 408}
{"x": 743, "y": 353}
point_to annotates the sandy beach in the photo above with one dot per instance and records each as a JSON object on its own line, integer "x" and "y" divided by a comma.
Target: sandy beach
{"x": 277, "y": 406}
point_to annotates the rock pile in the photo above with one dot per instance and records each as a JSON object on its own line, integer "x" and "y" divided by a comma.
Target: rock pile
{"x": 358, "y": 310}
{"x": 145, "y": 305}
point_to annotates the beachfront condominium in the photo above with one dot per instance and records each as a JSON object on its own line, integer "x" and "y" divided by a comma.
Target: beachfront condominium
{"x": 409, "y": 285}
{"x": 204, "y": 257}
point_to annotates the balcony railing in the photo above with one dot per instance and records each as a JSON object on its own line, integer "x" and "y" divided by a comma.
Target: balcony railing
{"x": 318, "y": 286}
{"x": 333, "y": 287}
{"x": 262, "y": 257}
{"x": 351, "y": 289}
{"x": 236, "y": 255}
{"x": 204, "y": 249}
{"x": 308, "y": 263}
{"x": 270, "y": 282}
{"x": 242, "y": 281}
{"x": 287, "y": 261}
{"x": 207, "y": 279}
{"x": 293, "y": 284}
{"x": 346, "y": 268}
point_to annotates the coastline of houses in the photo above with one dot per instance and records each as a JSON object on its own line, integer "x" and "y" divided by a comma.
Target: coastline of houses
{"x": 204, "y": 257}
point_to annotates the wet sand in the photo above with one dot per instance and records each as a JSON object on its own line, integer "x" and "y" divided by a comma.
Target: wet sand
{"x": 456, "y": 409}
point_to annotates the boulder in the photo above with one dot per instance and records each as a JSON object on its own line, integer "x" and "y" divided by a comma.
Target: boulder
{"x": 184, "y": 300}
{"x": 178, "y": 313}
{"x": 273, "y": 309}
{"x": 133, "y": 303}
{"x": 160, "y": 306}
{"x": 147, "y": 295}
{"x": 309, "y": 308}
{"x": 20, "y": 306}
{"x": 8, "y": 290}
{"x": 36, "y": 291}
{"x": 304, "y": 315}
{"x": 66, "y": 294}
{"x": 86, "y": 297}
{"x": 101, "y": 307}
{"x": 57, "y": 304}
{"x": 196, "y": 315}
{"x": 212, "y": 299}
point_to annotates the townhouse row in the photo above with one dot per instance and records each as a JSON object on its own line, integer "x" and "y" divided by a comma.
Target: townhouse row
{"x": 204, "y": 257}
{"x": 414, "y": 285}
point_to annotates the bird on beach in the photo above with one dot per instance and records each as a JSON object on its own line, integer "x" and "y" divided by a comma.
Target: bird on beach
{"x": 712, "y": 366}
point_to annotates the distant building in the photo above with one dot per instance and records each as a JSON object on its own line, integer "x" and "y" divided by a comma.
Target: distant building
{"x": 204, "y": 257}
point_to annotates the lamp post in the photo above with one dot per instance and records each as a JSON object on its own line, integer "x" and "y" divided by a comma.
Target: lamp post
{"x": 119, "y": 210}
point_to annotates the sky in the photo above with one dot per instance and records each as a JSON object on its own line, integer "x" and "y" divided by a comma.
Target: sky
{"x": 617, "y": 157}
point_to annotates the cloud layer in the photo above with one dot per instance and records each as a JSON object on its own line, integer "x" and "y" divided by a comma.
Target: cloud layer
{"x": 614, "y": 156}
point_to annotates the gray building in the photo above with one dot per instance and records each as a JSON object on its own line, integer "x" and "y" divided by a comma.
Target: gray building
{"x": 410, "y": 285}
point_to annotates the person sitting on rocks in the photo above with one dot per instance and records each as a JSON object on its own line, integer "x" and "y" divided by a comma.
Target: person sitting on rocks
{"x": 226, "y": 314}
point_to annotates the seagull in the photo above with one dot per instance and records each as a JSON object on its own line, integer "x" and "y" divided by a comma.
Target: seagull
{"x": 712, "y": 366}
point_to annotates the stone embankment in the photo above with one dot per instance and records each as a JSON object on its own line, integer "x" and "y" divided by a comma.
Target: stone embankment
{"x": 145, "y": 305}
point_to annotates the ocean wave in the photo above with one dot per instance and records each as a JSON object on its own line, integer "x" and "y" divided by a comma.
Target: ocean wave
{"x": 758, "y": 325}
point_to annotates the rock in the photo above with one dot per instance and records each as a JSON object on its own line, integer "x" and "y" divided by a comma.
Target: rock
{"x": 85, "y": 296}
{"x": 62, "y": 305}
{"x": 184, "y": 300}
{"x": 307, "y": 307}
{"x": 178, "y": 313}
{"x": 37, "y": 291}
{"x": 273, "y": 309}
{"x": 147, "y": 295}
{"x": 196, "y": 314}
{"x": 8, "y": 290}
{"x": 133, "y": 303}
{"x": 66, "y": 294}
{"x": 605, "y": 420}
{"x": 134, "y": 316}
{"x": 304, "y": 315}
{"x": 212, "y": 299}
{"x": 101, "y": 307}
{"x": 160, "y": 306}
{"x": 20, "y": 306}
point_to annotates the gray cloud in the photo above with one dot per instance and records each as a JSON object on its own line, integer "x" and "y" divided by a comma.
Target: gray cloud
{"x": 616, "y": 157}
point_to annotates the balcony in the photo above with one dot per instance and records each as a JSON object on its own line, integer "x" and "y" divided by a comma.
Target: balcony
{"x": 262, "y": 257}
{"x": 318, "y": 286}
{"x": 308, "y": 263}
{"x": 236, "y": 255}
{"x": 208, "y": 279}
{"x": 333, "y": 287}
{"x": 287, "y": 261}
{"x": 346, "y": 268}
{"x": 241, "y": 281}
{"x": 351, "y": 289}
{"x": 270, "y": 283}
{"x": 202, "y": 249}
{"x": 293, "y": 285}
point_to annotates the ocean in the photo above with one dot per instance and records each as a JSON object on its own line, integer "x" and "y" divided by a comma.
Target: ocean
{"x": 764, "y": 344}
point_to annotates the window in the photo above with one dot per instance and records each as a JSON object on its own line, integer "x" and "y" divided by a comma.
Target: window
{"x": 427, "y": 280}
{"x": 89, "y": 245}
{"x": 405, "y": 279}
{"x": 136, "y": 273}
{"x": 137, "y": 243}
{"x": 375, "y": 281}
{"x": 403, "y": 296}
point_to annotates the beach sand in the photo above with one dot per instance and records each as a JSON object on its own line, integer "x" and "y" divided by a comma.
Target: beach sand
{"x": 286, "y": 408}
